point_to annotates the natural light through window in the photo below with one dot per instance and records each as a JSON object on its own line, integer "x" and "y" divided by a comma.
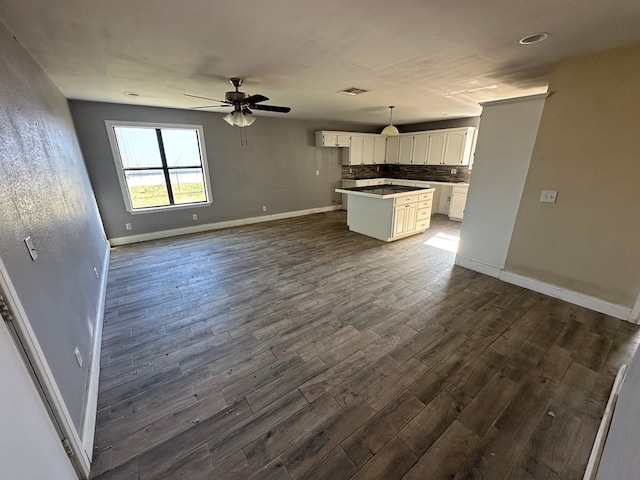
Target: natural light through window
{"x": 444, "y": 242}
{"x": 160, "y": 166}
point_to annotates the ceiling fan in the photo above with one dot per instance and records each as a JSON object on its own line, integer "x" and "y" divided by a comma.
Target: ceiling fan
{"x": 242, "y": 104}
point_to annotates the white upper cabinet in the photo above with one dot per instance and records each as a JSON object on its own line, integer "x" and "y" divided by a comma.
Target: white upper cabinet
{"x": 420, "y": 146}
{"x": 451, "y": 147}
{"x": 393, "y": 149}
{"x": 380, "y": 149}
{"x": 406, "y": 147}
{"x": 435, "y": 151}
{"x": 364, "y": 149}
{"x": 368, "y": 149}
{"x": 355, "y": 151}
{"x": 326, "y": 138}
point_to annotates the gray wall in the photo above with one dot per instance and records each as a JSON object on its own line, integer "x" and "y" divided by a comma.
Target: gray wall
{"x": 277, "y": 168}
{"x": 45, "y": 193}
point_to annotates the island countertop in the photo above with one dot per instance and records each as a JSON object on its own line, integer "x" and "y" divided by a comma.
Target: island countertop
{"x": 383, "y": 191}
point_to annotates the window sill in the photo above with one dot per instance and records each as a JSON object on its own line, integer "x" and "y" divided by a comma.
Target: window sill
{"x": 168, "y": 208}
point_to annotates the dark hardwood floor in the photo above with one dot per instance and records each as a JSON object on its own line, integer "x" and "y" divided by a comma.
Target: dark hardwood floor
{"x": 296, "y": 349}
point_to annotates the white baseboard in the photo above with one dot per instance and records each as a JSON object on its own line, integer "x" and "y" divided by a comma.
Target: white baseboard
{"x": 143, "y": 237}
{"x": 91, "y": 398}
{"x": 577, "y": 298}
{"x": 477, "y": 267}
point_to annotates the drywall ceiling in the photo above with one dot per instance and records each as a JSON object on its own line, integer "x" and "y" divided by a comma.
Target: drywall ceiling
{"x": 431, "y": 58}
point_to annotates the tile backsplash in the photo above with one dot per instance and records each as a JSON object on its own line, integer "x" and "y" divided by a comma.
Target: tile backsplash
{"x": 440, "y": 173}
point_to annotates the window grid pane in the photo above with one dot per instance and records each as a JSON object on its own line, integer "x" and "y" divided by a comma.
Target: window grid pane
{"x": 147, "y": 188}
{"x": 138, "y": 147}
{"x": 187, "y": 185}
{"x": 181, "y": 148}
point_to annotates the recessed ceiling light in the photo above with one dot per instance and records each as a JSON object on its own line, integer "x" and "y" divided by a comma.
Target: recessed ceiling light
{"x": 132, "y": 94}
{"x": 352, "y": 91}
{"x": 534, "y": 38}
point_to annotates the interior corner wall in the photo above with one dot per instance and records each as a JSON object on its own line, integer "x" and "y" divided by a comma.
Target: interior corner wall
{"x": 503, "y": 153}
{"x": 45, "y": 194}
{"x": 587, "y": 150}
{"x": 276, "y": 169}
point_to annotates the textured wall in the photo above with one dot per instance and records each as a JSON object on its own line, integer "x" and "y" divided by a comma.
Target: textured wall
{"x": 45, "y": 193}
{"x": 276, "y": 169}
{"x": 586, "y": 149}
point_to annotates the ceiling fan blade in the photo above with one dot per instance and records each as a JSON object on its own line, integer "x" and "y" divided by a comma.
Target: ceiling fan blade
{"x": 272, "y": 108}
{"x": 209, "y": 106}
{"x": 205, "y": 98}
{"x": 253, "y": 99}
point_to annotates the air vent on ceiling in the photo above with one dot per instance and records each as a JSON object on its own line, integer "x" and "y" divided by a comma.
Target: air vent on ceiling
{"x": 352, "y": 91}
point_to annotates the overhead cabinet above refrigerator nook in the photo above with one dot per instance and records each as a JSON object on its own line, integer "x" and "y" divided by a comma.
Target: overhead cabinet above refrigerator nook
{"x": 452, "y": 146}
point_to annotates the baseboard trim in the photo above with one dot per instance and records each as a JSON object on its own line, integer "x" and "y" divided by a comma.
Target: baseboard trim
{"x": 91, "y": 398}
{"x": 577, "y": 298}
{"x": 634, "y": 316}
{"x": 571, "y": 296}
{"x": 144, "y": 237}
{"x": 477, "y": 267}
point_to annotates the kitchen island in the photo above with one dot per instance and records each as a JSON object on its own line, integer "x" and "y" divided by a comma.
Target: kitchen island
{"x": 388, "y": 212}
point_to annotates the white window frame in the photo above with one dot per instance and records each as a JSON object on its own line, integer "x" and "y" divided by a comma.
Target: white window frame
{"x": 121, "y": 177}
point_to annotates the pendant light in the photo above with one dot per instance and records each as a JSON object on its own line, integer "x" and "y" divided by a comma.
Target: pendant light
{"x": 390, "y": 129}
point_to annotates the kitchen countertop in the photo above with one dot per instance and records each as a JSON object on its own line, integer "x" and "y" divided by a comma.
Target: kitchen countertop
{"x": 383, "y": 191}
{"x": 420, "y": 183}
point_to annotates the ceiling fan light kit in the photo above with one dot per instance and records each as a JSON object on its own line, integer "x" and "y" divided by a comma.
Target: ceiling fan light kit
{"x": 241, "y": 103}
{"x": 390, "y": 129}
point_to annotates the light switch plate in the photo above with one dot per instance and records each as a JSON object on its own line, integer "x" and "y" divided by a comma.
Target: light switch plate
{"x": 548, "y": 196}
{"x": 32, "y": 249}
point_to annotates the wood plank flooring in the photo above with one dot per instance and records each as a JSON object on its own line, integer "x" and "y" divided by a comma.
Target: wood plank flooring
{"x": 296, "y": 349}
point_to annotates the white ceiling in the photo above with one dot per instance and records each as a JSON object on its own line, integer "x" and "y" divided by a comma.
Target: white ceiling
{"x": 430, "y": 58}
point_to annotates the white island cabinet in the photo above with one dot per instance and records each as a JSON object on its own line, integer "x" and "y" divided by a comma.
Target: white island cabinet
{"x": 388, "y": 212}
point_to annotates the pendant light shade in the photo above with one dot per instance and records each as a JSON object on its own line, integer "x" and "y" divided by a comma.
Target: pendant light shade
{"x": 390, "y": 129}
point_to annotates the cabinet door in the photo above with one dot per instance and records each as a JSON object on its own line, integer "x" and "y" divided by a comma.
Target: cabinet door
{"x": 406, "y": 146}
{"x": 329, "y": 140}
{"x": 393, "y": 147}
{"x": 399, "y": 219}
{"x": 380, "y": 153}
{"x": 456, "y": 209}
{"x": 411, "y": 218}
{"x": 454, "y": 147}
{"x": 436, "y": 148}
{"x": 420, "y": 145}
{"x": 343, "y": 140}
{"x": 368, "y": 150}
{"x": 356, "y": 150}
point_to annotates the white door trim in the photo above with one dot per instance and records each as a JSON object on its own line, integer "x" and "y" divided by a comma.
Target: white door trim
{"x": 41, "y": 369}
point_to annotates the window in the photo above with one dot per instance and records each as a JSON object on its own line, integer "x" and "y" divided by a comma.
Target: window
{"x": 160, "y": 166}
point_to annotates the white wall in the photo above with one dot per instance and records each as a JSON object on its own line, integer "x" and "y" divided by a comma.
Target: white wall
{"x": 503, "y": 152}
{"x": 29, "y": 446}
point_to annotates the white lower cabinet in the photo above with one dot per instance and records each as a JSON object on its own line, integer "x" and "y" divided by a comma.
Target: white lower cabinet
{"x": 404, "y": 219}
{"x": 458, "y": 202}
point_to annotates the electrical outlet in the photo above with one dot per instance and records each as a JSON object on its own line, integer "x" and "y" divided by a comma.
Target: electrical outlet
{"x": 76, "y": 352}
{"x": 127, "y": 226}
{"x": 548, "y": 196}
{"x": 264, "y": 208}
{"x": 317, "y": 173}
{"x": 195, "y": 216}
{"x": 95, "y": 270}
{"x": 454, "y": 171}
